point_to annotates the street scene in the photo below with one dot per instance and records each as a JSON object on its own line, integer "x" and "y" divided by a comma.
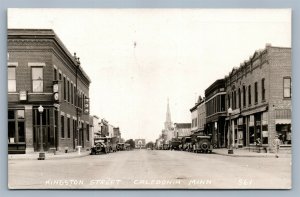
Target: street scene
{"x": 142, "y": 168}
{"x": 124, "y": 102}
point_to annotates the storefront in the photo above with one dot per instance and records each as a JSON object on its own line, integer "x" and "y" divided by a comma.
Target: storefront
{"x": 16, "y": 130}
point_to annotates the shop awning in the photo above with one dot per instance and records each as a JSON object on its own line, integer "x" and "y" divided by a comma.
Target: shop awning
{"x": 233, "y": 117}
{"x": 283, "y": 121}
{"x": 253, "y": 111}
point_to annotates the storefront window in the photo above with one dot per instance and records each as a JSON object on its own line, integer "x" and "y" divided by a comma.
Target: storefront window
{"x": 251, "y": 135}
{"x": 265, "y": 134}
{"x": 11, "y": 114}
{"x": 11, "y": 131}
{"x": 21, "y": 131}
{"x": 16, "y": 126}
{"x": 20, "y": 114}
{"x": 284, "y": 133}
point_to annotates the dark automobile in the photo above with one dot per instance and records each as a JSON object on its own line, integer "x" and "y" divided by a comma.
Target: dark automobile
{"x": 120, "y": 146}
{"x": 175, "y": 144}
{"x": 99, "y": 147}
{"x": 187, "y": 144}
{"x": 203, "y": 144}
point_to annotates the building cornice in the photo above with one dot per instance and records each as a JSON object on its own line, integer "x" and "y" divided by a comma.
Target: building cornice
{"x": 41, "y": 37}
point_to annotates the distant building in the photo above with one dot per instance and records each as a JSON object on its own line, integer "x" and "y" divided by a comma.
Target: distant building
{"x": 198, "y": 117}
{"x": 216, "y": 112}
{"x": 140, "y": 143}
{"x": 104, "y": 128}
{"x": 182, "y": 130}
{"x": 96, "y": 129}
{"x": 117, "y": 133}
{"x": 110, "y": 130}
{"x": 259, "y": 94}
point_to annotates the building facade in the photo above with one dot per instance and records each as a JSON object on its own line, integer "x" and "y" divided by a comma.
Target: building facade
{"x": 198, "y": 115}
{"x": 96, "y": 129}
{"x": 37, "y": 60}
{"x": 259, "y": 93}
{"x": 182, "y": 130}
{"x": 140, "y": 143}
{"x": 216, "y": 112}
{"x": 117, "y": 133}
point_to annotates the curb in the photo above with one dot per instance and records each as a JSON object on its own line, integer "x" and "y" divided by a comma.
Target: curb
{"x": 263, "y": 156}
{"x": 235, "y": 155}
{"x": 52, "y": 157}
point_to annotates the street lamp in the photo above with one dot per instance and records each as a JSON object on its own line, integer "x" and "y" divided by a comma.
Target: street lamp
{"x": 42, "y": 153}
{"x": 77, "y": 61}
{"x": 230, "y": 150}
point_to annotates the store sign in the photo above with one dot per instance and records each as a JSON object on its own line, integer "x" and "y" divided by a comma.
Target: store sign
{"x": 23, "y": 96}
{"x": 236, "y": 111}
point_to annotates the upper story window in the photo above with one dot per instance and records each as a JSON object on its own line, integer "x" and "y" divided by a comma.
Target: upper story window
{"x": 233, "y": 95}
{"x": 37, "y": 79}
{"x": 239, "y": 97}
{"x": 72, "y": 90}
{"x": 68, "y": 91}
{"x": 62, "y": 123}
{"x": 228, "y": 100}
{"x": 263, "y": 90}
{"x": 287, "y": 87}
{"x": 60, "y": 76}
{"x": 65, "y": 91}
{"x": 255, "y": 93}
{"x": 244, "y": 96}
{"x": 11, "y": 79}
{"x": 249, "y": 95}
{"x": 55, "y": 74}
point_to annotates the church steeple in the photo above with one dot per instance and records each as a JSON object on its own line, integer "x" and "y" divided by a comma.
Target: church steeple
{"x": 168, "y": 122}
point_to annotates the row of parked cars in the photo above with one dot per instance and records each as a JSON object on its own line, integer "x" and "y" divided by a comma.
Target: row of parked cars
{"x": 107, "y": 145}
{"x": 199, "y": 144}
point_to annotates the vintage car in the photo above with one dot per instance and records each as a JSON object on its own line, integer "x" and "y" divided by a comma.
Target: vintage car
{"x": 175, "y": 144}
{"x": 203, "y": 144}
{"x": 187, "y": 144}
{"x": 120, "y": 146}
{"x": 99, "y": 147}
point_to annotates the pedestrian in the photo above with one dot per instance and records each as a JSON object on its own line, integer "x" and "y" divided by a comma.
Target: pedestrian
{"x": 276, "y": 144}
{"x": 194, "y": 148}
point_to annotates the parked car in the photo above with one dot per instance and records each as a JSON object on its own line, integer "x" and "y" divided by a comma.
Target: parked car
{"x": 120, "y": 146}
{"x": 203, "y": 144}
{"x": 175, "y": 144}
{"x": 99, "y": 147}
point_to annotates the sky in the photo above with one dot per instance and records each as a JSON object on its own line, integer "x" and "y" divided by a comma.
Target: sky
{"x": 138, "y": 58}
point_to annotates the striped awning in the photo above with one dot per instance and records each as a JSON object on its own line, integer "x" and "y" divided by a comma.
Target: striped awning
{"x": 283, "y": 121}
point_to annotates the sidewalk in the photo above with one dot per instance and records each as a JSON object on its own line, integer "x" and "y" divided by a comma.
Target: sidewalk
{"x": 49, "y": 156}
{"x": 247, "y": 153}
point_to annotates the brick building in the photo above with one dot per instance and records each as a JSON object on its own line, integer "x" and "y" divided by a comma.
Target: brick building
{"x": 37, "y": 59}
{"x": 259, "y": 93}
{"x": 215, "y": 112}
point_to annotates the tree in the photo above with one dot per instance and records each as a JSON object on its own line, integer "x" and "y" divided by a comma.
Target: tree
{"x": 131, "y": 142}
{"x": 150, "y": 145}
